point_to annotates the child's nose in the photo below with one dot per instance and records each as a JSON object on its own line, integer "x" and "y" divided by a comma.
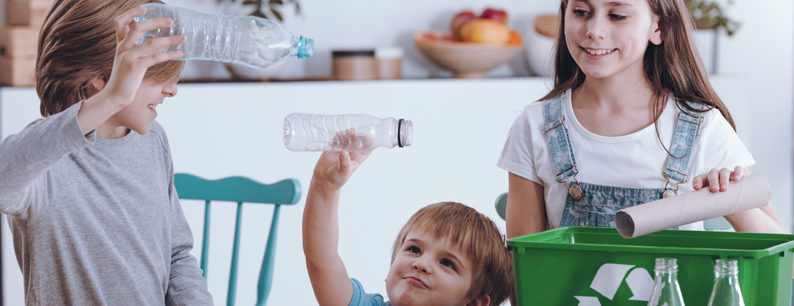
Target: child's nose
{"x": 595, "y": 29}
{"x": 170, "y": 90}
{"x": 420, "y": 266}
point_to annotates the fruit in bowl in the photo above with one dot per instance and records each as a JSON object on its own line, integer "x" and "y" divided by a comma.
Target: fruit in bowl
{"x": 475, "y": 44}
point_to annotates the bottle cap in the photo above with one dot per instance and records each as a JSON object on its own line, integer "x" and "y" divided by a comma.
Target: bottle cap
{"x": 405, "y": 131}
{"x": 305, "y": 47}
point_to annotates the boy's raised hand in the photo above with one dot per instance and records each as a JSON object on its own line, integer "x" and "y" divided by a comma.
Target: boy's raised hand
{"x": 335, "y": 168}
{"x": 132, "y": 60}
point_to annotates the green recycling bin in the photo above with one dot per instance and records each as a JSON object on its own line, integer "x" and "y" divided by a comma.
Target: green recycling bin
{"x": 590, "y": 266}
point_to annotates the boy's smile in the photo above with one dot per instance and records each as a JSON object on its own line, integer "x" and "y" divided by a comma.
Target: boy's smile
{"x": 139, "y": 114}
{"x": 427, "y": 271}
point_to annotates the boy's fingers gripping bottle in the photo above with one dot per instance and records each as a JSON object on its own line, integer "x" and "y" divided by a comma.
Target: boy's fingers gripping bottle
{"x": 353, "y": 133}
{"x": 665, "y": 288}
{"x": 726, "y": 290}
{"x": 247, "y": 40}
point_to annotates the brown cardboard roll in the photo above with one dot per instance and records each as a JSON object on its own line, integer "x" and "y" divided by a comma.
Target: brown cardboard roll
{"x": 751, "y": 192}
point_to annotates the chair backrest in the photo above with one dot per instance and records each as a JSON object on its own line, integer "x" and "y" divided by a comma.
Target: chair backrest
{"x": 713, "y": 224}
{"x": 240, "y": 190}
{"x": 501, "y": 205}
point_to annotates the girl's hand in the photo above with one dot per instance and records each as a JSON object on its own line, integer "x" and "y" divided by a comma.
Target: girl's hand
{"x": 132, "y": 60}
{"x": 335, "y": 168}
{"x": 717, "y": 180}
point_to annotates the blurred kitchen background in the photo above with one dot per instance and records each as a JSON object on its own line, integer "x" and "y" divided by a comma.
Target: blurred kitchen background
{"x": 754, "y": 74}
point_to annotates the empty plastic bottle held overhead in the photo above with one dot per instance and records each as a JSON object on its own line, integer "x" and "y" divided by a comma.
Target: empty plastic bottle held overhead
{"x": 354, "y": 133}
{"x": 247, "y": 40}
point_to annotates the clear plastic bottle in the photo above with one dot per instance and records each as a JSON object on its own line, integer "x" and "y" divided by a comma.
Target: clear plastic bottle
{"x": 726, "y": 284}
{"x": 354, "y": 133}
{"x": 248, "y": 40}
{"x": 666, "y": 290}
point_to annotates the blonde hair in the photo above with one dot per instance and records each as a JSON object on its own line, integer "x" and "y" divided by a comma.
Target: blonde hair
{"x": 77, "y": 43}
{"x": 473, "y": 233}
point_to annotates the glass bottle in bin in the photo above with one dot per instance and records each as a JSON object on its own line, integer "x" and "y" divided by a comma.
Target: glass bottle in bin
{"x": 666, "y": 290}
{"x": 726, "y": 290}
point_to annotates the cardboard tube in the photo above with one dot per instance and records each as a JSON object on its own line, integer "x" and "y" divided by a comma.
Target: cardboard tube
{"x": 751, "y": 192}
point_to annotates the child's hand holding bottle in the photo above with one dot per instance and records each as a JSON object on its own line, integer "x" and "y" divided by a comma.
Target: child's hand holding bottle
{"x": 333, "y": 169}
{"x": 132, "y": 60}
{"x": 129, "y": 68}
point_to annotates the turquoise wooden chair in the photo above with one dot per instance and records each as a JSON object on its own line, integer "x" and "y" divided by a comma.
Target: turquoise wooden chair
{"x": 240, "y": 190}
{"x": 713, "y": 224}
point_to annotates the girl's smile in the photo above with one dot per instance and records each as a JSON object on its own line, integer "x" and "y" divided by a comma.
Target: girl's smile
{"x": 597, "y": 53}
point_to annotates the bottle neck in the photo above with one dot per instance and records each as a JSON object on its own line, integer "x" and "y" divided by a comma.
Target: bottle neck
{"x": 667, "y": 276}
{"x": 726, "y": 268}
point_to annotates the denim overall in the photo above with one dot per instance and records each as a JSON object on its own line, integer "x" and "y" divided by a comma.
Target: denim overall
{"x": 595, "y": 205}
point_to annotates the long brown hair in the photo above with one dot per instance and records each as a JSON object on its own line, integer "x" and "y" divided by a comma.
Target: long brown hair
{"x": 673, "y": 68}
{"x": 77, "y": 42}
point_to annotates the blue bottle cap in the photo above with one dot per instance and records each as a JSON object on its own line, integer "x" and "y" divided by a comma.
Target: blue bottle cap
{"x": 305, "y": 47}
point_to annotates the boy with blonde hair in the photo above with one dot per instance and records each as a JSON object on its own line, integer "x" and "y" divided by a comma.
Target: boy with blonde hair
{"x": 447, "y": 253}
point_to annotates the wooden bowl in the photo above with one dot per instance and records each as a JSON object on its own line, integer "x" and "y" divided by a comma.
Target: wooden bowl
{"x": 468, "y": 60}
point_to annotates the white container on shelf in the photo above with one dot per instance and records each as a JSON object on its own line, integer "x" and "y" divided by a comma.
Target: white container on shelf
{"x": 539, "y": 51}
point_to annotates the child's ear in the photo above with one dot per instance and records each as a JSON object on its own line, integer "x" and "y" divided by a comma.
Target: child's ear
{"x": 98, "y": 83}
{"x": 481, "y": 301}
{"x": 656, "y": 37}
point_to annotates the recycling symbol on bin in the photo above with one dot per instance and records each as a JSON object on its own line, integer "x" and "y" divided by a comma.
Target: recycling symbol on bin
{"x": 610, "y": 276}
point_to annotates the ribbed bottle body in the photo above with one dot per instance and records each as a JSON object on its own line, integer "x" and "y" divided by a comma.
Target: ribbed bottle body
{"x": 247, "y": 40}
{"x": 352, "y": 132}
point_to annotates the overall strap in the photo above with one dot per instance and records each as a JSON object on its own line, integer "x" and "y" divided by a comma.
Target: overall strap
{"x": 560, "y": 145}
{"x": 686, "y": 131}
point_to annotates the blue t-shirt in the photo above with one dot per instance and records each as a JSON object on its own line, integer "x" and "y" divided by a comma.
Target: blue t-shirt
{"x": 361, "y": 298}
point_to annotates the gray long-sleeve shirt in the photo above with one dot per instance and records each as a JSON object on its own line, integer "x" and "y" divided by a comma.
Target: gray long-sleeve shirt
{"x": 97, "y": 221}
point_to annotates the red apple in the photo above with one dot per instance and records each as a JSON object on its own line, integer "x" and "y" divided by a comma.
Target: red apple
{"x": 495, "y": 15}
{"x": 460, "y": 19}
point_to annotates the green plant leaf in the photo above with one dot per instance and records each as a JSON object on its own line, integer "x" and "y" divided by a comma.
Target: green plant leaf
{"x": 250, "y": 2}
{"x": 259, "y": 14}
{"x": 279, "y": 2}
{"x": 277, "y": 14}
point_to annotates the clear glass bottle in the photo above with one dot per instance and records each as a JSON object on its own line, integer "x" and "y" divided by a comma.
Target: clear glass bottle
{"x": 726, "y": 290}
{"x": 666, "y": 290}
{"x": 354, "y": 133}
{"x": 252, "y": 41}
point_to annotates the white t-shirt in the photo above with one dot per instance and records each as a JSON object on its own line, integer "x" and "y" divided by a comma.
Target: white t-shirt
{"x": 630, "y": 161}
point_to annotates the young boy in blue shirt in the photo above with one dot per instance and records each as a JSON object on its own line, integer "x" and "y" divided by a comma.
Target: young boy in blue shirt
{"x": 447, "y": 253}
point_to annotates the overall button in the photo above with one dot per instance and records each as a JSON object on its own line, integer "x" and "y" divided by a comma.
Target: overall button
{"x": 576, "y": 192}
{"x": 667, "y": 194}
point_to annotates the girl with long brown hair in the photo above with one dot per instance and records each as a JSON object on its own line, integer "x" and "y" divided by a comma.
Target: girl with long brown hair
{"x": 632, "y": 118}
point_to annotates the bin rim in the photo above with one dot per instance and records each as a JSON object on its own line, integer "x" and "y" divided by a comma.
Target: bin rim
{"x": 782, "y": 242}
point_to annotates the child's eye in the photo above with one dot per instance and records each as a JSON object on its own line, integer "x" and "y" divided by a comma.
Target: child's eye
{"x": 581, "y": 12}
{"x": 413, "y": 249}
{"x": 618, "y": 17}
{"x": 448, "y": 263}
